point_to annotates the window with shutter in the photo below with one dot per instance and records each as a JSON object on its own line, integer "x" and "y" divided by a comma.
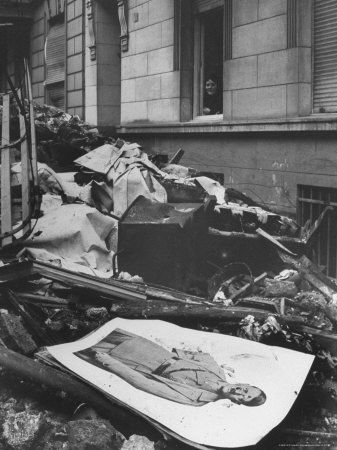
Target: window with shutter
{"x": 325, "y": 56}
{"x": 55, "y": 53}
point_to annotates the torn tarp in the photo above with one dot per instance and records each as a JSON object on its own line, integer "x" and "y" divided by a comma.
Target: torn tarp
{"x": 130, "y": 371}
{"x": 75, "y": 233}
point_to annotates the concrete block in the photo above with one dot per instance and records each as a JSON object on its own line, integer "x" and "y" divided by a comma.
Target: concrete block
{"x": 14, "y": 335}
{"x": 227, "y": 105}
{"x": 304, "y": 99}
{"x": 304, "y": 64}
{"x": 292, "y": 100}
{"x": 160, "y": 10}
{"x": 135, "y": 3}
{"x": 38, "y": 74}
{"x": 132, "y": 112}
{"x": 74, "y": 63}
{"x": 264, "y": 102}
{"x": 170, "y": 85}
{"x": 134, "y": 66}
{"x": 139, "y": 17}
{"x": 75, "y": 98}
{"x": 167, "y": 30}
{"x": 90, "y": 75}
{"x": 164, "y": 110}
{"x": 79, "y": 80}
{"x": 37, "y": 44}
{"x": 278, "y": 67}
{"x": 161, "y": 60}
{"x": 271, "y": 8}
{"x": 304, "y": 23}
{"x": 109, "y": 95}
{"x": 244, "y": 11}
{"x": 38, "y": 27}
{"x": 128, "y": 91}
{"x": 74, "y": 27}
{"x": 148, "y": 88}
{"x": 260, "y": 37}
{"x": 240, "y": 73}
{"x": 109, "y": 74}
{"x": 148, "y": 38}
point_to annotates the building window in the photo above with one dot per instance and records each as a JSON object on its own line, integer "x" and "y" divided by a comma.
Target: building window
{"x": 208, "y": 58}
{"x": 55, "y": 62}
{"x": 325, "y": 56}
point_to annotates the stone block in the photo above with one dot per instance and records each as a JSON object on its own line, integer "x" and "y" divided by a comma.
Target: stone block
{"x": 78, "y": 44}
{"x": 304, "y": 64}
{"x": 292, "y": 100}
{"x": 14, "y": 335}
{"x": 170, "y": 85}
{"x": 74, "y": 27}
{"x": 135, "y": 66}
{"x": 278, "y": 67}
{"x": 260, "y": 37}
{"x": 135, "y": 3}
{"x": 132, "y": 112}
{"x": 107, "y": 54}
{"x": 105, "y": 34}
{"x": 75, "y": 98}
{"x": 160, "y": 10}
{"x": 148, "y": 88}
{"x": 227, "y": 105}
{"x": 37, "y": 44}
{"x": 164, "y": 110}
{"x": 109, "y": 74}
{"x": 38, "y": 59}
{"x": 79, "y": 80}
{"x": 304, "y": 23}
{"x": 161, "y": 60}
{"x": 38, "y": 74}
{"x": 148, "y": 38}
{"x": 91, "y": 75}
{"x": 71, "y": 11}
{"x": 108, "y": 116}
{"x": 244, "y": 11}
{"x": 91, "y": 95}
{"x": 240, "y": 73}
{"x": 304, "y": 99}
{"x": 70, "y": 46}
{"x": 109, "y": 96}
{"x": 128, "y": 91}
{"x": 74, "y": 63}
{"x": 71, "y": 82}
{"x": 91, "y": 114}
{"x": 38, "y": 27}
{"x": 271, "y": 8}
{"x": 263, "y": 102}
{"x": 139, "y": 17}
{"x": 78, "y": 8}
{"x": 167, "y": 30}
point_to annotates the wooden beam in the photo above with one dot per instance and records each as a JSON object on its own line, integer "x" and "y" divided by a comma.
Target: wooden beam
{"x": 6, "y": 201}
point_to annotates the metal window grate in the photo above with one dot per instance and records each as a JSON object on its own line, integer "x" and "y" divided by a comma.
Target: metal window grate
{"x": 311, "y": 202}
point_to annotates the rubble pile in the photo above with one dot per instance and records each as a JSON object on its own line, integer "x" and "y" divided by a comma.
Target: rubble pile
{"x": 127, "y": 235}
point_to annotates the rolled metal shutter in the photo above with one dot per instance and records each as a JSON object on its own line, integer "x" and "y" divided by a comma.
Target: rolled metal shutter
{"x": 55, "y": 53}
{"x": 325, "y": 56}
{"x": 206, "y": 5}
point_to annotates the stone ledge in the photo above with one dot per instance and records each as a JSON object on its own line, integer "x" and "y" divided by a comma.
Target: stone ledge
{"x": 311, "y": 123}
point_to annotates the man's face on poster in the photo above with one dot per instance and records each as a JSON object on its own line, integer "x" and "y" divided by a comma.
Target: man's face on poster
{"x": 242, "y": 394}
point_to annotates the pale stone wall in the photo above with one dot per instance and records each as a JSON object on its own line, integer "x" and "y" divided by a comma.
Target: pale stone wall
{"x": 37, "y": 40}
{"x": 150, "y": 87}
{"x": 265, "y": 79}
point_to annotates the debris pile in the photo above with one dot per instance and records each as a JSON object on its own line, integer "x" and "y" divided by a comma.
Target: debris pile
{"x": 136, "y": 236}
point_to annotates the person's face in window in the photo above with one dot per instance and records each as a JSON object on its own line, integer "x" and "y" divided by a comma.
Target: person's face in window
{"x": 211, "y": 87}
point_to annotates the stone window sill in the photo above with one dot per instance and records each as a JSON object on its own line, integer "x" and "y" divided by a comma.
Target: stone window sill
{"x": 216, "y": 124}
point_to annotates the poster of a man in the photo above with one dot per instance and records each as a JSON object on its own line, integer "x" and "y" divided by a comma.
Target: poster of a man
{"x": 202, "y": 388}
{"x": 192, "y": 378}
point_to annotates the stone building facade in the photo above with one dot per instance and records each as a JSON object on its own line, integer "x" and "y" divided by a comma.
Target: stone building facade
{"x": 138, "y": 67}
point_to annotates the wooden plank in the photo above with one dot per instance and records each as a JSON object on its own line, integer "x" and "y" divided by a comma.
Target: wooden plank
{"x": 6, "y": 203}
{"x": 25, "y": 179}
{"x": 32, "y": 124}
